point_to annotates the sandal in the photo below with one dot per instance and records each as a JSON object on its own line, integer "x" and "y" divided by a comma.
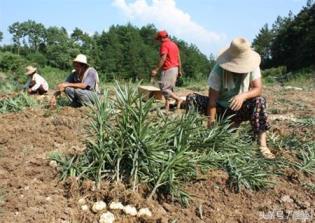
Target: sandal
{"x": 266, "y": 152}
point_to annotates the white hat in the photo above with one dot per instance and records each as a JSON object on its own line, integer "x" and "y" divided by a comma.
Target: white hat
{"x": 239, "y": 57}
{"x": 81, "y": 58}
{"x": 30, "y": 69}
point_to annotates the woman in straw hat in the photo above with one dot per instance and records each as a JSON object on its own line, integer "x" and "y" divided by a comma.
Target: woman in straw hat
{"x": 81, "y": 86}
{"x": 235, "y": 89}
{"x": 35, "y": 84}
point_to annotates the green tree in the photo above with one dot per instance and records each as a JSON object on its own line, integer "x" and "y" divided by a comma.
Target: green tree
{"x": 17, "y": 33}
{"x": 294, "y": 39}
{"x": 262, "y": 44}
{"x": 59, "y": 51}
{"x": 35, "y": 33}
{"x": 122, "y": 52}
{"x": 83, "y": 41}
{"x": 1, "y": 36}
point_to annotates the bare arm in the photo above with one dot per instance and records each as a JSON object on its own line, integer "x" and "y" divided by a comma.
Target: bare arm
{"x": 61, "y": 87}
{"x": 160, "y": 64}
{"x": 212, "y": 106}
{"x": 255, "y": 91}
{"x": 75, "y": 85}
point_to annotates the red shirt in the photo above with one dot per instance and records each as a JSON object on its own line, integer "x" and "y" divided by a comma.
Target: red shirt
{"x": 171, "y": 50}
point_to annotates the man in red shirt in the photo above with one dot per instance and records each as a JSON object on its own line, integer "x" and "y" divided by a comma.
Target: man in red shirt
{"x": 170, "y": 66}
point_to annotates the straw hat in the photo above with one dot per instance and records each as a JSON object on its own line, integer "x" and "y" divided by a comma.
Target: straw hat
{"x": 30, "y": 70}
{"x": 239, "y": 57}
{"x": 81, "y": 58}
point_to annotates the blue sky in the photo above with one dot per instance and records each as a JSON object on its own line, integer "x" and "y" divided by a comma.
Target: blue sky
{"x": 209, "y": 24}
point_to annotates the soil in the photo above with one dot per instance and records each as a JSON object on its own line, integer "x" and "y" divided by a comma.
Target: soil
{"x": 31, "y": 190}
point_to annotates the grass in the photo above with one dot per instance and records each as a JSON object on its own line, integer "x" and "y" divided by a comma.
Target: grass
{"x": 309, "y": 186}
{"x": 128, "y": 143}
{"x": 307, "y": 158}
{"x": 53, "y": 76}
{"x": 303, "y": 78}
{"x": 8, "y": 87}
{"x": 301, "y": 147}
{"x": 16, "y": 103}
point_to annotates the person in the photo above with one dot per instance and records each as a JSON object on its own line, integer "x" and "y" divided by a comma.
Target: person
{"x": 235, "y": 89}
{"x": 81, "y": 86}
{"x": 170, "y": 66}
{"x": 35, "y": 84}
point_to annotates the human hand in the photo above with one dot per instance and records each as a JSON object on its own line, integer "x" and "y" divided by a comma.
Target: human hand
{"x": 237, "y": 102}
{"x": 180, "y": 73}
{"x": 53, "y": 102}
{"x": 62, "y": 86}
{"x": 154, "y": 72}
{"x": 29, "y": 90}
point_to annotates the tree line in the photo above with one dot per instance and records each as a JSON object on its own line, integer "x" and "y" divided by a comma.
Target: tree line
{"x": 290, "y": 41}
{"x": 122, "y": 52}
{"x": 129, "y": 52}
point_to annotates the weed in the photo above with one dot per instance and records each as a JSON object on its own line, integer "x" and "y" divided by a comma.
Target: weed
{"x": 16, "y": 103}
{"x": 307, "y": 157}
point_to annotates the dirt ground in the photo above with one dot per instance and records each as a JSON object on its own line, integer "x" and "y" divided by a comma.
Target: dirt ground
{"x": 30, "y": 190}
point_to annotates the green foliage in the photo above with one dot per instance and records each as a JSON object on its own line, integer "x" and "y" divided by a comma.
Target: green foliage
{"x": 53, "y": 76}
{"x": 11, "y": 62}
{"x": 8, "y": 86}
{"x": 300, "y": 78}
{"x": 274, "y": 72}
{"x": 121, "y": 53}
{"x": 246, "y": 173}
{"x": 14, "y": 66}
{"x": 262, "y": 44}
{"x": 307, "y": 157}
{"x": 16, "y": 103}
{"x": 129, "y": 143}
{"x": 37, "y": 58}
{"x": 290, "y": 42}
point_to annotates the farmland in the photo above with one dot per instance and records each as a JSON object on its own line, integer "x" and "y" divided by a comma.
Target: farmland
{"x": 31, "y": 189}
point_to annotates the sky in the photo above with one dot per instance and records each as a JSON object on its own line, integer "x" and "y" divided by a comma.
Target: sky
{"x": 208, "y": 24}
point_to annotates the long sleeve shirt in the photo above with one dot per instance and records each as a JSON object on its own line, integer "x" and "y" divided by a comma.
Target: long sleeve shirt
{"x": 38, "y": 82}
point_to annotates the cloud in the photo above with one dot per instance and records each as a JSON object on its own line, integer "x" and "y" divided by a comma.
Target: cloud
{"x": 165, "y": 15}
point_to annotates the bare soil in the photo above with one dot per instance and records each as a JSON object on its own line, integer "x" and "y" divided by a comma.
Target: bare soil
{"x": 30, "y": 189}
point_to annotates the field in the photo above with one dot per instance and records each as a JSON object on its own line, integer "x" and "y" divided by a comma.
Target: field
{"x": 31, "y": 189}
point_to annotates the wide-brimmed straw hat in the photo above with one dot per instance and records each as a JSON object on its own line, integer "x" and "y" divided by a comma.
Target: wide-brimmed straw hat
{"x": 30, "y": 70}
{"x": 81, "y": 58}
{"x": 239, "y": 57}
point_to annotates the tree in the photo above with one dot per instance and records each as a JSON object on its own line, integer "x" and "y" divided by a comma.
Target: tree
{"x": 262, "y": 44}
{"x": 1, "y": 36}
{"x": 122, "y": 52}
{"x": 59, "y": 51}
{"x": 294, "y": 39}
{"x": 16, "y": 30}
{"x": 82, "y": 41}
{"x": 35, "y": 33}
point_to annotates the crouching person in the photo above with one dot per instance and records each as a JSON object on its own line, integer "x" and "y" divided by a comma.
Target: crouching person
{"x": 81, "y": 86}
{"x": 35, "y": 84}
{"x": 235, "y": 89}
